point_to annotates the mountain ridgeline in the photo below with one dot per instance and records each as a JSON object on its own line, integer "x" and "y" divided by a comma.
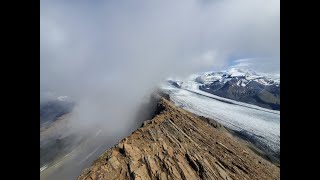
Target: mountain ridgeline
{"x": 241, "y": 85}
{"x": 177, "y": 144}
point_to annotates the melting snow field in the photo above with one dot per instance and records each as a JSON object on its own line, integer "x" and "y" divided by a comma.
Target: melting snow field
{"x": 259, "y": 124}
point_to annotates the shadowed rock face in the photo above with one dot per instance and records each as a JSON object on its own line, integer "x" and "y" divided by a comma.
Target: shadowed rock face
{"x": 52, "y": 110}
{"x": 254, "y": 93}
{"x": 175, "y": 144}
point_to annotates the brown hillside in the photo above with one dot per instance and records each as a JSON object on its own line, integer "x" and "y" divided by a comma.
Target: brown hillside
{"x": 179, "y": 145}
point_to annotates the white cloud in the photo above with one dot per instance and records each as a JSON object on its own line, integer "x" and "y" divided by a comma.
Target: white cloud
{"x": 265, "y": 65}
{"x": 107, "y": 55}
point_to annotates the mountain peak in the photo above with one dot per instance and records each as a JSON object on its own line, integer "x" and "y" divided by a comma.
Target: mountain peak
{"x": 236, "y": 71}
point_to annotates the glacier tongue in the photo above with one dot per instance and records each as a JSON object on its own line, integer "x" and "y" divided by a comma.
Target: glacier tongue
{"x": 263, "y": 125}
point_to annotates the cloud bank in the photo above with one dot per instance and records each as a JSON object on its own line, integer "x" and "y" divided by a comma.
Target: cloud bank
{"x": 263, "y": 65}
{"x": 108, "y": 55}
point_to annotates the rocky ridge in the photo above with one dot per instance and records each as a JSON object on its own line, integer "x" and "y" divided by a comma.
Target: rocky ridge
{"x": 176, "y": 144}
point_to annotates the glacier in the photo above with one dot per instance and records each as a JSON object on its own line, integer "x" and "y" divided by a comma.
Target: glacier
{"x": 260, "y": 125}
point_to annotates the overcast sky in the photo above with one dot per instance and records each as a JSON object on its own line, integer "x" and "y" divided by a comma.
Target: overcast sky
{"x": 107, "y": 55}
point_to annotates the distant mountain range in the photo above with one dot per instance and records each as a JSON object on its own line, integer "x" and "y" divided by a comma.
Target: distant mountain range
{"x": 241, "y": 85}
{"x": 54, "y": 108}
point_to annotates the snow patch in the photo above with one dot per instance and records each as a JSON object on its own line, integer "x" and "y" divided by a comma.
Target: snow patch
{"x": 62, "y": 98}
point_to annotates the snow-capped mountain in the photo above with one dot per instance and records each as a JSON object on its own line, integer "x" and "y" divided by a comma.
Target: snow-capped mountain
{"x": 238, "y": 84}
{"x": 243, "y": 77}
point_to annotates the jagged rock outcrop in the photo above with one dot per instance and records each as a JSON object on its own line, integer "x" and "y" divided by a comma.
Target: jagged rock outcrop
{"x": 179, "y": 145}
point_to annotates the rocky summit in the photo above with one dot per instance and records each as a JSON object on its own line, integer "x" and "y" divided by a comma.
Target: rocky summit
{"x": 176, "y": 144}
